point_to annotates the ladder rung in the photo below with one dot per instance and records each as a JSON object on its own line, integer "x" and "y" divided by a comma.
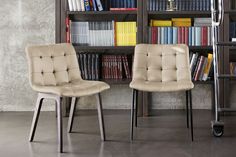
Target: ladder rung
{"x": 222, "y": 76}
{"x": 226, "y": 109}
{"x": 226, "y": 43}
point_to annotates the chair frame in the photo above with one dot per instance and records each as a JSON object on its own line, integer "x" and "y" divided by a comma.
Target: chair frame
{"x": 134, "y": 108}
{"x": 58, "y": 99}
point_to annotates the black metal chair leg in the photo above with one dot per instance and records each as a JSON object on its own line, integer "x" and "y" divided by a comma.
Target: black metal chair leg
{"x": 59, "y": 125}
{"x": 100, "y": 117}
{"x": 72, "y": 114}
{"x": 35, "y": 118}
{"x": 136, "y": 108}
{"x": 187, "y": 110}
{"x": 132, "y": 115}
{"x": 191, "y": 113}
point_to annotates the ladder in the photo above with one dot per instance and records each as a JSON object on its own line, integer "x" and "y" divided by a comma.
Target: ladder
{"x": 217, "y": 15}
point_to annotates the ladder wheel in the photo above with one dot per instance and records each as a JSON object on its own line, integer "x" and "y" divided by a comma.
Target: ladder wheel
{"x": 218, "y": 130}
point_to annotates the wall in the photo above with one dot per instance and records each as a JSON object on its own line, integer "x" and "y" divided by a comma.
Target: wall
{"x": 25, "y": 22}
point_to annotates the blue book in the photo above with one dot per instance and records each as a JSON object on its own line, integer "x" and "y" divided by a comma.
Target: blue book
{"x": 94, "y": 5}
{"x": 86, "y": 5}
{"x": 154, "y": 5}
{"x": 121, "y": 4}
{"x": 166, "y": 35}
{"x": 170, "y": 35}
{"x": 198, "y": 36}
{"x": 193, "y": 36}
{"x": 208, "y": 5}
{"x": 125, "y": 3}
{"x": 175, "y": 35}
{"x": 129, "y": 3}
{"x": 160, "y": 4}
{"x": 162, "y": 35}
{"x": 190, "y": 36}
{"x": 157, "y": 5}
{"x": 132, "y": 4}
{"x": 177, "y": 4}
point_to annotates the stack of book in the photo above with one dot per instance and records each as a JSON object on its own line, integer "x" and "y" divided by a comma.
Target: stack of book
{"x": 180, "y": 31}
{"x": 116, "y": 67}
{"x": 104, "y": 33}
{"x": 85, "y": 5}
{"x": 184, "y": 5}
{"x": 101, "y": 5}
{"x": 201, "y": 66}
{"x": 89, "y": 66}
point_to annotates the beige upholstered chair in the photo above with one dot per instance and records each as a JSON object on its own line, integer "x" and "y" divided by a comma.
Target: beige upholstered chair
{"x": 54, "y": 73}
{"x": 161, "y": 68}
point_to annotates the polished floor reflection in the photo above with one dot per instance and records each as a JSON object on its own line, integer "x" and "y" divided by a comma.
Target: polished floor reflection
{"x": 163, "y": 135}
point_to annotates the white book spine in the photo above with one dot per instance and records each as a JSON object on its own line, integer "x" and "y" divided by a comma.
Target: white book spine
{"x": 70, "y": 5}
{"x": 99, "y": 5}
{"x": 74, "y": 5}
{"x": 78, "y": 5}
{"x": 82, "y": 5}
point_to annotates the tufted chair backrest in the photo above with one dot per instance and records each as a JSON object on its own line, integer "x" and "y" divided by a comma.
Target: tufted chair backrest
{"x": 52, "y": 65}
{"x": 161, "y": 63}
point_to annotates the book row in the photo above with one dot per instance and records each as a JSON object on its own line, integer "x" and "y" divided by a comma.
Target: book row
{"x": 177, "y": 22}
{"x": 106, "y": 33}
{"x": 101, "y": 5}
{"x": 232, "y": 68}
{"x": 201, "y": 66}
{"x": 96, "y": 67}
{"x": 192, "y": 36}
{"x": 181, "y": 5}
{"x": 116, "y": 67}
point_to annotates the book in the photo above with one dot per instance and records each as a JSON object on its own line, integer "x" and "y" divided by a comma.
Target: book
{"x": 161, "y": 23}
{"x": 208, "y": 67}
{"x": 87, "y": 5}
{"x": 70, "y": 5}
{"x": 99, "y": 5}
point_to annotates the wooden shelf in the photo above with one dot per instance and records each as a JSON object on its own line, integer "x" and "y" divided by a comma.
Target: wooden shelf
{"x": 104, "y": 48}
{"x": 200, "y": 48}
{"x": 120, "y": 12}
{"x": 182, "y": 13}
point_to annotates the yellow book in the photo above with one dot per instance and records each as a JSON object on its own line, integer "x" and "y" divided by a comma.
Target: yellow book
{"x": 208, "y": 67}
{"x": 161, "y": 23}
{"x": 125, "y": 33}
{"x": 181, "y": 19}
{"x": 182, "y": 24}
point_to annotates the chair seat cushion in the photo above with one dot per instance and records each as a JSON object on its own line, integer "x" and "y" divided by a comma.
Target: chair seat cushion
{"x": 151, "y": 86}
{"x": 76, "y": 88}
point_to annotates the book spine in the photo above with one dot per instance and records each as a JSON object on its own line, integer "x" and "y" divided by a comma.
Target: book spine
{"x": 94, "y": 5}
{"x": 86, "y": 5}
{"x": 175, "y": 35}
{"x": 186, "y": 35}
{"x": 99, "y": 5}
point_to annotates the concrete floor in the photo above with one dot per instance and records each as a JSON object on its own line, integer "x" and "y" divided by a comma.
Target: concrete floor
{"x": 164, "y": 135}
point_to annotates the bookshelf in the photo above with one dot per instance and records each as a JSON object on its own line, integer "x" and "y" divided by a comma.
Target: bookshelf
{"x": 228, "y": 54}
{"x": 142, "y": 16}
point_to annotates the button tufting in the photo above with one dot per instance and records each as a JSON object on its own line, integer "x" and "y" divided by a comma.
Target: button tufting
{"x": 147, "y": 54}
{"x": 42, "y": 72}
{"x": 40, "y": 57}
{"x": 53, "y": 71}
{"x": 52, "y": 57}
{"x": 67, "y": 69}
{"x": 64, "y": 54}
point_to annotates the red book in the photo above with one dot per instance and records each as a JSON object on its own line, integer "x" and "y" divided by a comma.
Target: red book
{"x": 186, "y": 35}
{"x": 199, "y": 68}
{"x": 67, "y": 30}
{"x": 154, "y": 35}
{"x": 204, "y": 34}
{"x": 179, "y": 35}
{"x": 183, "y": 35}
